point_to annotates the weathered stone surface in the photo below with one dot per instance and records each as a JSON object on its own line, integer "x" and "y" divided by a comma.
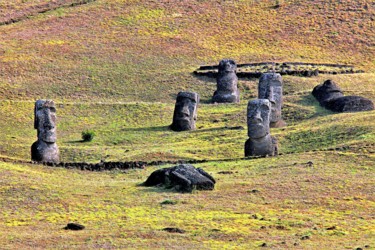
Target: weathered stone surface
{"x": 350, "y": 104}
{"x": 45, "y": 148}
{"x": 185, "y": 111}
{"x": 271, "y": 87}
{"x": 331, "y": 97}
{"x": 260, "y": 142}
{"x": 227, "y": 80}
{"x": 183, "y": 178}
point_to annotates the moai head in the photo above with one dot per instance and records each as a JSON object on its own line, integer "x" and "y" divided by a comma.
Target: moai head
{"x": 326, "y": 92}
{"x": 270, "y": 87}
{"x": 227, "y": 66}
{"x": 185, "y": 111}
{"x": 227, "y": 81}
{"x": 258, "y": 118}
{"x": 45, "y": 120}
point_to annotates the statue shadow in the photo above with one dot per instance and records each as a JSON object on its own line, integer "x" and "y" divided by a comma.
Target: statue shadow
{"x": 156, "y": 189}
{"x": 218, "y": 129}
{"x": 309, "y": 100}
{"x": 152, "y": 128}
{"x": 76, "y": 141}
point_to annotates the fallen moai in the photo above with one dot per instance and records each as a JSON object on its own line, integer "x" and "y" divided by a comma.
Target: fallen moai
{"x": 183, "y": 178}
{"x": 331, "y": 97}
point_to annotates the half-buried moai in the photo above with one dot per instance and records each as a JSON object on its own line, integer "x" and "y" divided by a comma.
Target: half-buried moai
{"x": 271, "y": 87}
{"x": 227, "y": 80}
{"x": 260, "y": 143}
{"x": 45, "y": 148}
{"x": 185, "y": 111}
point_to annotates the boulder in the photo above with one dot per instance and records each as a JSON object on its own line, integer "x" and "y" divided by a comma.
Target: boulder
{"x": 183, "y": 178}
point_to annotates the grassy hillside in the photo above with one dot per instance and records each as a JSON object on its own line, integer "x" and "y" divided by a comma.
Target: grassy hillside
{"x": 116, "y": 67}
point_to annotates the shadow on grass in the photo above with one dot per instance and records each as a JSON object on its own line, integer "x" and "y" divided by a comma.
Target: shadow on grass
{"x": 76, "y": 141}
{"x": 218, "y": 129}
{"x": 153, "y": 128}
{"x": 307, "y": 107}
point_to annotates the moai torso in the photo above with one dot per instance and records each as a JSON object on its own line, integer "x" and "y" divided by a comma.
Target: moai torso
{"x": 271, "y": 87}
{"x": 260, "y": 142}
{"x": 45, "y": 148}
{"x": 227, "y": 81}
{"x": 185, "y": 111}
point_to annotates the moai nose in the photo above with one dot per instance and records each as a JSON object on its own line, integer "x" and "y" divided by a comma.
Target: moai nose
{"x": 271, "y": 97}
{"x": 258, "y": 116}
{"x": 185, "y": 110}
{"x": 48, "y": 123}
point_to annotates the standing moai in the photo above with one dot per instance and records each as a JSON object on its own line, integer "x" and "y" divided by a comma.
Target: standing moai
{"x": 260, "y": 142}
{"x": 227, "y": 81}
{"x": 45, "y": 148}
{"x": 185, "y": 111}
{"x": 271, "y": 87}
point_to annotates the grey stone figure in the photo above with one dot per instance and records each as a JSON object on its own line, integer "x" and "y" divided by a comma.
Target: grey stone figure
{"x": 331, "y": 97}
{"x": 271, "y": 87}
{"x": 260, "y": 143}
{"x": 185, "y": 111}
{"x": 45, "y": 148}
{"x": 227, "y": 81}
{"x": 183, "y": 178}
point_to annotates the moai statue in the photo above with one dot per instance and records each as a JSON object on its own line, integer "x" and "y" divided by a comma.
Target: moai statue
{"x": 45, "y": 148}
{"x": 227, "y": 80}
{"x": 271, "y": 87}
{"x": 331, "y": 97}
{"x": 185, "y": 111}
{"x": 260, "y": 143}
{"x": 327, "y": 92}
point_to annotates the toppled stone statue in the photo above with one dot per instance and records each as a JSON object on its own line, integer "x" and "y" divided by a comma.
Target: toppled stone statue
{"x": 271, "y": 87}
{"x": 45, "y": 148}
{"x": 227, "y": 81}
{"x": 185, "y": 111}
{"x": 331, "y": 97}
{"x": 260, "y": 143}
{"x": 184, "y": 178}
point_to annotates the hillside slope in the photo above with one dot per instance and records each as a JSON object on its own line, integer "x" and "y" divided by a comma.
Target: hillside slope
{"x": 116, "y": 66}
{"x": 146, "y": 50}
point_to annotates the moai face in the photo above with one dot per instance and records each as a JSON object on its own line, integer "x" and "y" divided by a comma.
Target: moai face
{"x": 270, "y": 87}
{"x": 227, "y": 65}
{"x": 258, "y": 118}
{"x": 185, "y": 112}
{"x": 45, "y": 120}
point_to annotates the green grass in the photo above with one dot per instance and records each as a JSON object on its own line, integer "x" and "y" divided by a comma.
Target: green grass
{"x": 115, "y": 67}
{"x": 117, "y": 213}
